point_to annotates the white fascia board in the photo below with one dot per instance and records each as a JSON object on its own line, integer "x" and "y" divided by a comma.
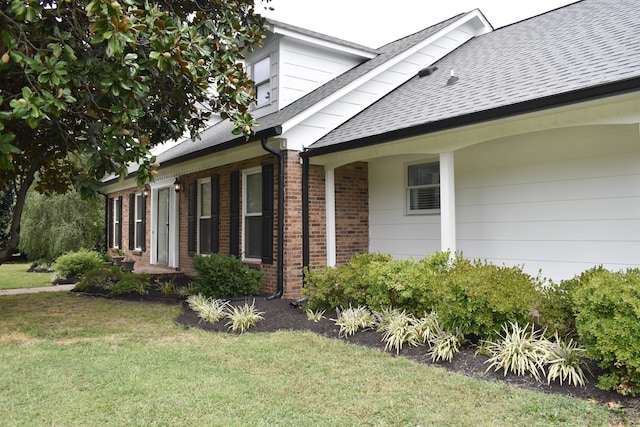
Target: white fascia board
{"x": 324, "y": 43}
{"x": 480, "y": 26}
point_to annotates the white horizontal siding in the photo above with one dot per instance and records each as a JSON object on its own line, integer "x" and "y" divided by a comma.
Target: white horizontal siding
{"x": 391, "y": 231}
{"x": 558, "y": 202}
{"x": 303, "y": 70}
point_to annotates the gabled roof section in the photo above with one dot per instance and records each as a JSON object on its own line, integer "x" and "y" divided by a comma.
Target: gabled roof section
{"x": 218, "y": 137}
{"x": 312, "y": 37}
{"x": 584, "y": 50}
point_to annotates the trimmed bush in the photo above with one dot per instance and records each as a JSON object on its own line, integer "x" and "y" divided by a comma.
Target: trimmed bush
{"x": 473, "y": 297}
{"x": 607, "y": 308}
{"x": 224, "y": 276}
{"x": 556, "y": 304}
{"x": 77, "y": 263}
{"x": 478, "y": 297}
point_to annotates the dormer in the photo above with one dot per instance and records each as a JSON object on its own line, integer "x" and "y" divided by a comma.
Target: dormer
{"x": 293, "y": 62}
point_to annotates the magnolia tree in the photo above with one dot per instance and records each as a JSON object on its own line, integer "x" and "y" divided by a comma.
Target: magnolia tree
{"x": 89, "y": 87}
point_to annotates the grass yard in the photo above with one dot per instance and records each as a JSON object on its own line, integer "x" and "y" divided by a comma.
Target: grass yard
{"x": 72, "y": 360}
{"x": 15, "y": 276}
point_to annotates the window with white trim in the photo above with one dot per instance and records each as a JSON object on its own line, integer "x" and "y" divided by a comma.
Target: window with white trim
{"x": 262, "y": 81}
{"x": 204, "y": 217}
{"x": 139, "y": 220}
{"x": 252, "y": 214}
{"x": 117, "y": 222}
{"x": 423, "y": 188}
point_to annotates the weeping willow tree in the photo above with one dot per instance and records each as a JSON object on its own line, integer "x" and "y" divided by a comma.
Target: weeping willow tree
{"x": 53, "y": 225}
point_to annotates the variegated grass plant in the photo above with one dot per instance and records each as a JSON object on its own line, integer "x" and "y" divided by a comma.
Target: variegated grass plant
{"x": 518, "y": 350}
{"x": 166, "y": 287}
{"x": 243, "y": 317}
{"x": 352, "y": 320}
{"x": 208, "y": 309}
{"x": 398, "y": 328}
{"x": 314, "y": 315}
{"x": 445, "y": 344}
{"x": 563, "y": 360}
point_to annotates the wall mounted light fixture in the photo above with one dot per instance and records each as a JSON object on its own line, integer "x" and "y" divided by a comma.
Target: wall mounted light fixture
{"x": 177, "y": 185}
{"x": 146, "y": 190}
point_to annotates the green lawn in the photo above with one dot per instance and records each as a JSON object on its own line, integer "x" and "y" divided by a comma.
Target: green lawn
{"x": 15, "y": 276}
{"x": 72, "y": 360}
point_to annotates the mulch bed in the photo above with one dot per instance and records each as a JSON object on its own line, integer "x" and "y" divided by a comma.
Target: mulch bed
{"x": 282, "y": 314}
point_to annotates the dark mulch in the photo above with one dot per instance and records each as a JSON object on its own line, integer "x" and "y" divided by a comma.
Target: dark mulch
{"x": 281, "y": 314}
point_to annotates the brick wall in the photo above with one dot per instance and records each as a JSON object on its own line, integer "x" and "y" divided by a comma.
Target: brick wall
{"x": 186, "y": 261}
{"x": 142, "y": 258}
{"x": 352, "y": 210}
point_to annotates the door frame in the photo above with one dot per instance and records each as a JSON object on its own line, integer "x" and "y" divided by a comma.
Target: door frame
{"x": 173, "y": 258}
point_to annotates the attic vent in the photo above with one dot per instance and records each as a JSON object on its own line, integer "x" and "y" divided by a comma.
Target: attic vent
{"x": 427, "y": 71}
{"x": 453, "y": 79}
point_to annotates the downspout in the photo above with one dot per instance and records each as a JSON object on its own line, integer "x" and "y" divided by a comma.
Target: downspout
{"x": 280, "y": 237}
{"x": 305, "y": 216}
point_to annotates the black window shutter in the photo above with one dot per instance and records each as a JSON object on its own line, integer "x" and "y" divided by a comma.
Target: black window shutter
{"x": 234, "y": 214}
{"x": 267, "y": 213}
{"x": 215, "y": 213}
{"x": 143, "y": 238}
{"x": 191, "y": 226}
{"x": 110, "y": 222}
{"x": 132, "y": 221}
{"x": 119, "y": 227}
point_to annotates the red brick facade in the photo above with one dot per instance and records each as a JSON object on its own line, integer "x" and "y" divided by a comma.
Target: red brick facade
{"x": 352, "y": 218}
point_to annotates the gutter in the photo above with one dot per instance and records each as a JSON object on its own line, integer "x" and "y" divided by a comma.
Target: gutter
{"x": 212, "y": 149}
{"x": 280, "y": 237}
{"x": 567, "y": 98}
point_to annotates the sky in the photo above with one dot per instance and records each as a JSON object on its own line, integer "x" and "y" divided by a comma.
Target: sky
{"x": 373, "y": 23}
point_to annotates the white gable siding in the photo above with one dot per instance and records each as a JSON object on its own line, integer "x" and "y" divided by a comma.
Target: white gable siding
{"x": 560, "y": 201}
{"x": 361, "y": 93}
{"x": 390, "y": 230}
{"x": 303, "y": 69}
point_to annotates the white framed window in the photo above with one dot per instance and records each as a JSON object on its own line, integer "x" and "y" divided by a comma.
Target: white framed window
{"x": 262, "y": 81}
{"x": 423, "y": 188}
{"x": 117, "y": 222}
{"x": 204, "y": 217}
{"x": 252, "y": 213}
{"x": 139, "y": 222}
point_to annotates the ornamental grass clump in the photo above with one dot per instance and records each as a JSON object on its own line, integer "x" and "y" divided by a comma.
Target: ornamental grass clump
{"x": 445, "y": 344}
{"x": 518, "y": 350}
{"x": 208, "y": 309}
{"x": 352, "y": 320}
{"x": 563, "y": 360}
{"x": 243, "y": 317}
{"x": 398, "y": 328}
{"x": 314, "y": 315}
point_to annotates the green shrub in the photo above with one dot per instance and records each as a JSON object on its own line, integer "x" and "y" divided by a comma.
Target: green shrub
{"x": 377, "y": 281}
{"x": 77, "y": 263}
{"x": 130, "y": 283}
{"x": 607, "y": 308}
{"x": 102, "y": 277}
{"x": 478, "y": 297}
{"x": 556, "y": 304}
{"x": 223, "y": 276}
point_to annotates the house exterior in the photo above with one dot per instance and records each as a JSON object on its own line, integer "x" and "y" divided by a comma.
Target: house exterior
{"x": 520, "y": 146}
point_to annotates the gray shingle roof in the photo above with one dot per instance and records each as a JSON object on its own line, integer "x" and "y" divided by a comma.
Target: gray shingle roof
{"x": 220, "y": 134}
{"x": 582, "y": 45}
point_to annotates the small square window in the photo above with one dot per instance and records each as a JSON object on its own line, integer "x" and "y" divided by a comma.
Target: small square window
{"x": 423, "y": 188}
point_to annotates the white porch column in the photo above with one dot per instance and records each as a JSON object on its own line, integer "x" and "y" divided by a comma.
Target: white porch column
{"x": 330, "y": 206}
{"x": 447, "y": 203}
